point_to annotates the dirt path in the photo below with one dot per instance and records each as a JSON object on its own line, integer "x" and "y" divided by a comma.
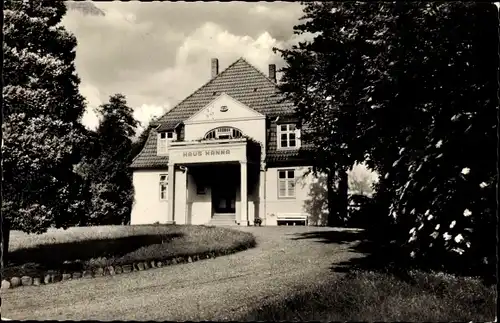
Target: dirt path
{"x": 215, "y": 289}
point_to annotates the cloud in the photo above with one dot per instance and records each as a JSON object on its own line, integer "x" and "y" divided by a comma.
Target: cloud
{"x": 146, "y": 112}
{"x": 92, "y": 96}
{"x": 158, "y": 53}
{"x": 219, "y": 42}
{"x": 85, "y": 7}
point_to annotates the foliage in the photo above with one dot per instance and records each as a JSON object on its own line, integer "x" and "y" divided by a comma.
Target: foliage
{"x": 438, "y": 161}
{"x": 327, "y": 79}
{"x": 361, "y": 181}
{"x": 408, "y": 88}
{"x": 42, "y": 136}
{"x": 109, "y": 178}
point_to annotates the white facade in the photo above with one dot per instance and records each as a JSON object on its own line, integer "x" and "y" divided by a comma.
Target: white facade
{"x": 196, "y": 209}
{"x": 276, "y": 206}
{"x": 219, "y": 155}
{"x": 205, "y": 167}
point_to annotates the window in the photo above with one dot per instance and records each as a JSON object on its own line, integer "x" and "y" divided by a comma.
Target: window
{"x": 163, "y": 139}
{"x": 223, "y": 133}
{"x": 163, "y": 187}
{"x": 287, "y": 136}
{"x": 286, "y": 183}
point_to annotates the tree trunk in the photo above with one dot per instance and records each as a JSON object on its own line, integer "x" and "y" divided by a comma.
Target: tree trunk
{"x": 330, "y": 185}
{"x": 343, "y": 198}
{"x": 5, "y": 229}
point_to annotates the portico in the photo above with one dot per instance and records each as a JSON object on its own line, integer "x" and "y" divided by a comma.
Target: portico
{"x": 200, "y": 161}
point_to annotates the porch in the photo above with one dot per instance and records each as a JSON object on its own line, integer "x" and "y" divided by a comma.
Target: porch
{"x": 213, "y": 182}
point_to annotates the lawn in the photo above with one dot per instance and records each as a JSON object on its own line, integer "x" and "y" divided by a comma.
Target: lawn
{"x": 375, "y": 296}
{"x": 86, "y": 248}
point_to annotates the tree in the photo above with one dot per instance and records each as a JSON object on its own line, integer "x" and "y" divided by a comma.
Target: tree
{"x": 408, "y": 88}
{"x": 361, "y": 181}
{"x": 329, "y": 79}
{"x": 42, "y": 108}
{"x": 107, "y": 171}
{"x": 360, "y": 185}
{"x": 42, "y": 136}
{"x": 438, "y": 160}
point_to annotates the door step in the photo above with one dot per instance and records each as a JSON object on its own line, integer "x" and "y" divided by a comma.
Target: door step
{"x": 223, "y": 220}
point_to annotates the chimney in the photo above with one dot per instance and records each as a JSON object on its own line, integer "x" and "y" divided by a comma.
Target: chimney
{"x": 215, "y": 67}
{"x": 272, "y": 72}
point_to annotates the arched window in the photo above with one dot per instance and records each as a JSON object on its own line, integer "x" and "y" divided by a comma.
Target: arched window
{"x": 223, "y": 133}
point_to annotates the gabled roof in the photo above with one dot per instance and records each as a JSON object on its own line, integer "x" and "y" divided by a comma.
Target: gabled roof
{"x": 148, "y": 157}
{"x": 240, "y": 80}
{"x": 238, "y": 109}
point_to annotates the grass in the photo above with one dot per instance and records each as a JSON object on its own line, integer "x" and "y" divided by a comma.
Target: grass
{"x": 83, "y": 248}
{"x": 374, "y": 288}
{"x": 375, "y": 296}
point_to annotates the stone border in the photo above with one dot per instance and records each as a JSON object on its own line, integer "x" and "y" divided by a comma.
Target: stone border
{"x": 55, "y": 276}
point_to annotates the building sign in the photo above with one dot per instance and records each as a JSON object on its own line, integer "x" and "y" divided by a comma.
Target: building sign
{"x": 201, "y": 153}
{"x": 204, "y": 154}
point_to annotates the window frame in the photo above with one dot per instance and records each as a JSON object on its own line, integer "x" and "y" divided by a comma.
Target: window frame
{"x": 287, "y": 195}
{"x": 164, "y": 141}
{"x": 226, "y": 131}
{"x": 287, "y": 132}
{"x": 163, "y": 184}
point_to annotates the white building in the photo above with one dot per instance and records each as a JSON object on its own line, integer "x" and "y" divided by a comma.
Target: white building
{"x": 229, "y": 153}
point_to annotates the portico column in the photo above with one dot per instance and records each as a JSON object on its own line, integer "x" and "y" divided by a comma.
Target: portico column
{"x": 262, "y": 191}
{"x": 171, "y": 193}
{"x": 244, "y": 194}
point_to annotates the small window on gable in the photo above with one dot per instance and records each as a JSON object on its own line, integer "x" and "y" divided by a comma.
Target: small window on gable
{"x": 223, "y": 133}
{"x": 164, "y": 138}
{"x": 288, "y": 136}
{"x": 286, "y": 183}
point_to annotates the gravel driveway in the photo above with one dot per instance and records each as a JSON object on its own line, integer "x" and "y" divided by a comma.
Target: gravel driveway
{"x": 215, "y": 289}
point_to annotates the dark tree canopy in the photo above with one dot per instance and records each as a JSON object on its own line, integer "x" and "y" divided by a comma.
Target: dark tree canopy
{"x": 409, "y": 88}
{"x": 107, "y": 172}
{"x": 42, "y": 135}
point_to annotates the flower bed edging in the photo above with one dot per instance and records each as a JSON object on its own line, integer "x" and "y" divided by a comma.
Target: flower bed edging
{"x": 53, "y": 276}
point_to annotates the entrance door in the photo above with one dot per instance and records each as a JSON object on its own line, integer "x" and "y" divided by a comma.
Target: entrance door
{"x": 224, "y": 189}
{"x": 224, "y": 199}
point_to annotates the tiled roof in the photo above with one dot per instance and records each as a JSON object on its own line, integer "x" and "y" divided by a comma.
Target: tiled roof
{"x": 168, "y": 125}
{"x": 243, "y": 82}
{"x": 275, "y": 155}
{"x": 148, "y": 158}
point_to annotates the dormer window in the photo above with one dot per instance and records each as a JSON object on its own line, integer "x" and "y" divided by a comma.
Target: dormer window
{"x": 164, "y": 138}
{"x": 288, "y": 136}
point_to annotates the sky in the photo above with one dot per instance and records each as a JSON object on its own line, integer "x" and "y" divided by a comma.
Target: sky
{"x": 158, "y": 53}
